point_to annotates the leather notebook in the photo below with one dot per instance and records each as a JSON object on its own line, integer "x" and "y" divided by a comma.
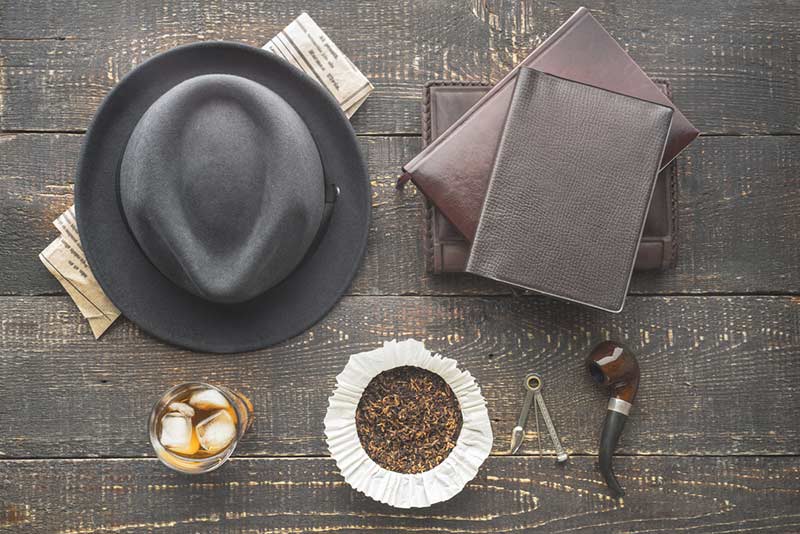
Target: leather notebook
{"x": 446, "y": 250}
{"x": 453, "y": 171}
{"x": 569, "y": 191}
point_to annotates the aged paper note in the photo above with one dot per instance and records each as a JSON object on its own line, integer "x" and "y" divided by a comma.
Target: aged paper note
{"x": 303, "y": 44}
{"x": 65, "y": 260}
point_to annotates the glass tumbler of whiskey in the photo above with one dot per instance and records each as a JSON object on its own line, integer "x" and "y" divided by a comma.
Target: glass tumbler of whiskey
{"x": 195, "y": 427}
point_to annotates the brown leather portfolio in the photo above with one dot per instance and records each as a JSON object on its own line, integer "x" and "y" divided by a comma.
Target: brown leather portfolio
{"x": 569, "y": 191}
{"x": 453, "y": 171}
{"x": 446, "y": 250}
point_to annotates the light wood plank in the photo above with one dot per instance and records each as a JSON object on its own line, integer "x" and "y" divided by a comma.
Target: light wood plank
{"x": 665, "y": 494}
{"x": 719, "y": 374}
{"x": 731, "y": 190}
{"x": 733, "y": 65}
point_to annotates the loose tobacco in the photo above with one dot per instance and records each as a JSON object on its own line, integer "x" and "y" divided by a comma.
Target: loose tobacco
{"x": 408, "y": 419}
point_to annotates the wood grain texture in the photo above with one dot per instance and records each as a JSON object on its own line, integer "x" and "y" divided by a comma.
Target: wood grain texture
{"x": 719, "y": 374}
{"x": 731, "y": 189}
{"x": 732, "y": 65}
{"x": 714, "y": 495}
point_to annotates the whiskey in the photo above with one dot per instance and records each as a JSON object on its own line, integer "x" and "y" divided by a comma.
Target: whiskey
{"x": 195, "y": 427}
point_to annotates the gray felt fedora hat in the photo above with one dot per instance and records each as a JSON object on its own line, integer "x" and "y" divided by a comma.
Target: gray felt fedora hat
{"x": 221, "y": 198}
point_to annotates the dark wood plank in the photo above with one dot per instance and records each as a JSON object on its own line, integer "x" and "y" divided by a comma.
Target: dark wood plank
{"x": 665, "y": 494}
{"x": 733, "y": 65}
{"x": 731, "y": 190}
{"x": 719, "y": 374}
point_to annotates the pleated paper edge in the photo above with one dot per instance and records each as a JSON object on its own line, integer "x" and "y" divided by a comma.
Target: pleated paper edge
{"x": 405, "y": 490}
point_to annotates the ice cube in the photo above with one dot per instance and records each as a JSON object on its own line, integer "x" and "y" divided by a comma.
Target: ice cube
{"x": 216, "y": 431}
{"x": 182, "y": 408}
{"x": 208, "y": 399}
{"x": 178, "y": 435}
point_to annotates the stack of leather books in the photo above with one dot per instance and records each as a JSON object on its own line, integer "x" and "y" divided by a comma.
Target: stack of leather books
{"x": 560, "y": 178}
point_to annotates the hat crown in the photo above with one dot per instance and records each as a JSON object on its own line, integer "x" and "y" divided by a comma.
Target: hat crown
{"x": 223, "y": 187}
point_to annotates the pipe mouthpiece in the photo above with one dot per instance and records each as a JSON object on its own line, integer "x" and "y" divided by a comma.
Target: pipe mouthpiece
{"x": 612, "y": 365}
{"x": 612, "y": 430}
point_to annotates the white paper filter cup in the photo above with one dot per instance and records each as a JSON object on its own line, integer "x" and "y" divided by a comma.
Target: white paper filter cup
{"x": 406, "y": 490}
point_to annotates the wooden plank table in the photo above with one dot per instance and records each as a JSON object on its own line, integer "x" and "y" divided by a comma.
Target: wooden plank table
{"x": 714, "y": 441}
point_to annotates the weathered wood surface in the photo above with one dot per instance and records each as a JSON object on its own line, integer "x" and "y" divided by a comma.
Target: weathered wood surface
{"x": 714, "y": 442}
{"x": 714, "y": 495}
{"x": 731, "y": 189}
{"x": 719, "y": 374}
{"x": 733, "y": 65}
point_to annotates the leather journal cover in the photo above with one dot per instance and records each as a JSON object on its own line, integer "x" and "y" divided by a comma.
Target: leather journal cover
{"x": 446, "y": 250}
{"x": 453, "y": 171}
{"x": 569, "y": 191}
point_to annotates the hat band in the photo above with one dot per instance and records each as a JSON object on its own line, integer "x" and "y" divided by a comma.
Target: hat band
{"x": 331, "y": 196}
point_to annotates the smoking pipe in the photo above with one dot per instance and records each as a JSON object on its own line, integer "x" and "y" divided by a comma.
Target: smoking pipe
{"x": 614, "y": 366}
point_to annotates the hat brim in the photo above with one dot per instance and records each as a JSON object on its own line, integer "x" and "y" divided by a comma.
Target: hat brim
{"x": 139, "y": 289}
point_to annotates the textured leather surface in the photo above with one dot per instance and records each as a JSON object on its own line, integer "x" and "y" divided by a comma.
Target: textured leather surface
{"x": 446, "y": 250}
{"x": 579, "y": 50}
{"x": 444, "y": 102}
{"x": 569, "y": 192}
